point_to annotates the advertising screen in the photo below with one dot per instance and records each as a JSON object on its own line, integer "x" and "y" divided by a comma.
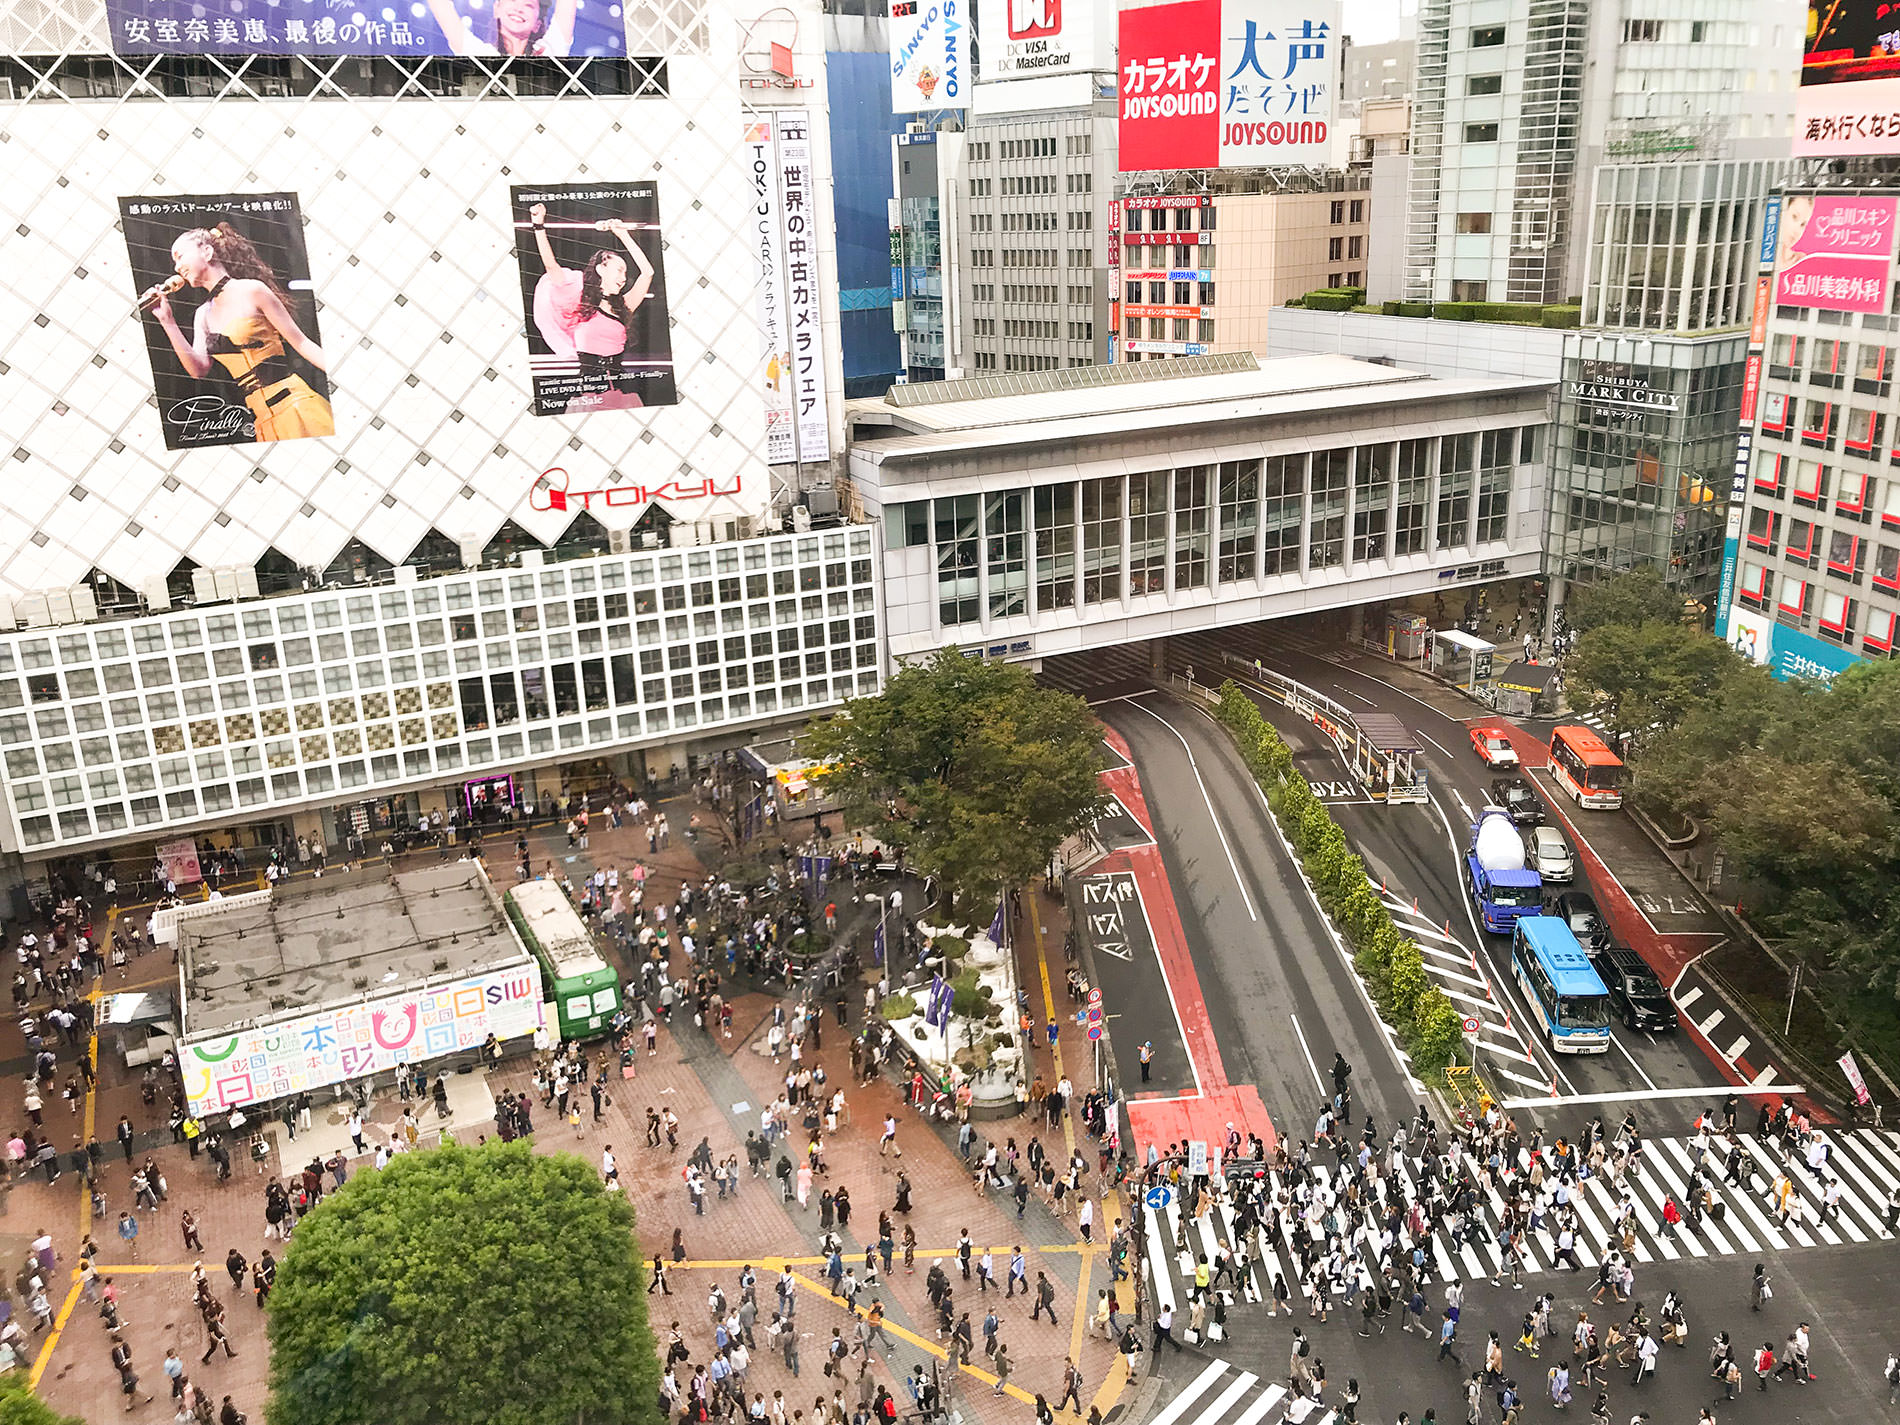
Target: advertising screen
{"x": 224, "y": 293}
{"x": 930, "y": 55}
{"x": 1026, "y": 39}
{"x": 1835, "y": 252}
{"x": 593, "y": 288}
{"x": 1850, "y": 81}
{"x": 1227, "y": 84}
{"x": 370, "y": 1036}
{"x": 471, "y": 28}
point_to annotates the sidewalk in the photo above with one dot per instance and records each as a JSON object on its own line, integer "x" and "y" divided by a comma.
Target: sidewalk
{"x": 714, "y": 1085}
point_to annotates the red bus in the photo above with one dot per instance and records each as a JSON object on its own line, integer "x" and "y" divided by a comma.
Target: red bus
{"x": 1583, "y": 765}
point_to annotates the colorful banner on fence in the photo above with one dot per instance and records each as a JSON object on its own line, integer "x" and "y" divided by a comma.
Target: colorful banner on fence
{"x": 329, "y": 1046}
{"x": 498, "y": 29}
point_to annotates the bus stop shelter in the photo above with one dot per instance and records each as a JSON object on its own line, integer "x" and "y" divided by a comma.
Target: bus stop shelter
{"x": 1385, "y": 758}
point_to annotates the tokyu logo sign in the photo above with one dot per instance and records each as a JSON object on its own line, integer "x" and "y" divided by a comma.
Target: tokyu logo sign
{"x": 1032, "y": 19}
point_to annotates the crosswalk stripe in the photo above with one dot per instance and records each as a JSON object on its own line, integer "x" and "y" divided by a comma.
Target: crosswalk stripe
{"x": 1866, "y": 1163}
{"x": 1217, "y": 1412}
{"x": 1181, "y": 1403}
{"x": 1261, "y": 1404}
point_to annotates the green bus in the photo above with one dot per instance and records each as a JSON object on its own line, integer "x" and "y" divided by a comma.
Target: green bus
{"x": 585, "y": 989}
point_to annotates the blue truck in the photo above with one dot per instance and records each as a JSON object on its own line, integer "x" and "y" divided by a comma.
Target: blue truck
{"x": 1501, "y": 883}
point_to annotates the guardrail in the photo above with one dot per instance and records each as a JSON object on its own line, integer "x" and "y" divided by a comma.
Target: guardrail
{"x": 1385, "y": 777}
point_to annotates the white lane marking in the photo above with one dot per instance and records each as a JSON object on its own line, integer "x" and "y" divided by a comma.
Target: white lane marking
{"x": 1735, "y": 1050}
{"x": 1347, "y": 692}
{"x": 1307, "y": 1050}
{"x": 1528, "y": 1083}
{"x": 1632, "y": 1058}
{"x": 1636, "y": 1096}
{"x": 1180, "y": 1405}
{"x": 1763, "y": 1077}
{"x": 1434, "y": 742}
{"x": 1212, "y": 815}
{"x": 1707, "y": 1026}
{"x": 1685, "y": 1000}
{"x": 1469, "y": 814}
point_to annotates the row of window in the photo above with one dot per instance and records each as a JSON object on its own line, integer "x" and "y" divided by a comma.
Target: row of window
{"x": 1237, "y": 521}
{"x": 1834, "y": 614}
{"x": 1022, "y": 257}
{"x": 1170, "y": 328}
{"x": 1180, "y": 294}
{"x": 1180, "y": 220}
{"x": 1137, "y": 256}
{"x": 1831, "y": 362}
{"x": 1819, "y": 424}
{"x": 1854, "y": 494}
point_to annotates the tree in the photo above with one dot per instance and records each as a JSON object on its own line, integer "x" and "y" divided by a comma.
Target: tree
{"x": 970, "y": 768}
{"x": 1649, "y": 676}
{"x": 20, "y": 1406}
{"x": 1629, "y": 601}
{"x": 491, "y": 1283}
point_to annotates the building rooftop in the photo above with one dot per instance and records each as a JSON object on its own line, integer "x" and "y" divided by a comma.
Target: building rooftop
{"x": 346, "y": 936}
{"x": 1194, "y": 391}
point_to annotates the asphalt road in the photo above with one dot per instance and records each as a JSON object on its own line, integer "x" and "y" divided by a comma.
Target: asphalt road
{"x": 1281, "y": 996}
{"x": 1418, "y": 853}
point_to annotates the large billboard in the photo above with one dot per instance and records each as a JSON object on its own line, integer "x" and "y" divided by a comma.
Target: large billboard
{"x": 1027, "y": 39}
{"x": 593, "y": 288}
{"x": 784, "y": 238}
{"x": 766, "y": 235}
{"x": 930, "y": 55}
{"x": 470, "y": 28}
{"x": 367, "y": 1036}
{"x": 1227, "y": 84}
{"x": 1834, "y": 251}
{"x": 224, "y": 293}
{"x": 1849, "y": 102}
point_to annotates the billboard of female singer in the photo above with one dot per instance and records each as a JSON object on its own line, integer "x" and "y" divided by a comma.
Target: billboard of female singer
{"x": 593, "y": 288}
{"x": 225, "y": 298}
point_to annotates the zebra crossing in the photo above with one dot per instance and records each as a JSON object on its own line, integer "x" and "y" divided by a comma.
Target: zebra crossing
{"x": 1865, "y": 1162}
{"x": 1223, "y": 1394}
{"x": 1100, "y": 673}
{"x": 1457, "y": 970}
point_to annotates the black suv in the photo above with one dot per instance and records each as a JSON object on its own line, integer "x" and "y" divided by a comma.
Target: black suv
{"x": 1516, "y": 796}
{"x": 1578, "y": 910}
{"x": 1640, "y": 1000}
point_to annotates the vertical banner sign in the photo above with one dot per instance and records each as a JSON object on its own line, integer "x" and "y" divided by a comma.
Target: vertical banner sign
{"x": 1745, "y": 436}
{"x": 930, "y": 55}
{"x": 1114, "y": 276}
{"x": 792, "y": 134}
{"x": 1836, "y": 252}
{"x": 768, "y": 245}
{"x": 1852, "y": 1070}
{"x": 1227, "y": 84}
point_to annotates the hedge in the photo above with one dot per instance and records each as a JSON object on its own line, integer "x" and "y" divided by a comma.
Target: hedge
{"x": 1329, "y": 301}
{"x": 1427, "y": 1023}
{"x": 1565, "y": 317}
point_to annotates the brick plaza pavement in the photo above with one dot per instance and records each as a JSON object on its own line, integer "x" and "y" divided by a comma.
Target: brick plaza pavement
{"x": 702, "y": 1078}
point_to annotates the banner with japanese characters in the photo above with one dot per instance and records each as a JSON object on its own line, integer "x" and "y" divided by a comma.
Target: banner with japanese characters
{"x": 230, "y": 318}
{"x": 470, "y": 28}
{"x": 1227, "y": 84}
{"x": 766, "y": 235}
{"x": 930, "y": 55}
{"x": 1836, "y": 252}
{"x": 1849, "y": 103}
{"x": 797, "y": 182}
{"x": 593, "y": 290}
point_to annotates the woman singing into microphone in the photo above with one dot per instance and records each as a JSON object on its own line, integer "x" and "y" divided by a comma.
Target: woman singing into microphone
{"x": 524, "y": 27}
{"x": 588, "y": 313}
{"x": 243, "y": 325}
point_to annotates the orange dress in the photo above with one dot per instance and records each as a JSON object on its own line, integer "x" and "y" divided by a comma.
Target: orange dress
{"x": 283, "y": 405}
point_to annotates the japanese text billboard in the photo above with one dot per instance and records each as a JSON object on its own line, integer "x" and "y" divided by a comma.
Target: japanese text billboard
{"x": 1026, "y": 39}
{"x": 482, "y": 28}
{"x": 230, "y": 320}
{"x": 368, "y": 1036}
{"x": 791, "y": 331}
{"x": 1849, "y": 102}
{"x": 1227, "y": 84}
{"x": 593, "y": 288}
{"x": 766, "y": 235}
{"x": 930, "y": 55}
{"x": 1836, "y": 252}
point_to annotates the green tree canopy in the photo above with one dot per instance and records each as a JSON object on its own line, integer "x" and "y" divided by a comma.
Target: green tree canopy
{"x": 1631, "y": 600}
{"x": 974, "y": 770}
{"x": 1649, "y": 677}
{"x": 461, "y": 1284}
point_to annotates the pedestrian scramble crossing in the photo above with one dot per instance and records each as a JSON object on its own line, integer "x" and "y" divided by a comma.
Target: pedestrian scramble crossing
{"x": 1225, "y": 1395}
{"x": 1865, "y": 1162}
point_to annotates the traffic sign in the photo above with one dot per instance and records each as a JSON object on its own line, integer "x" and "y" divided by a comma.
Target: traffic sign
{"x": 1197, "y": 1158}
{"x": 1159, "y": 1197}
{"x": 1095, "y": 1029}
{"x": 1472, "y": 1026}
{"x": 1095, "y": 997}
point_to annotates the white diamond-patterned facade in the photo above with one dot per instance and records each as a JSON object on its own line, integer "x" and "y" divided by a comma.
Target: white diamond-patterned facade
{"x": 412, "y": 436}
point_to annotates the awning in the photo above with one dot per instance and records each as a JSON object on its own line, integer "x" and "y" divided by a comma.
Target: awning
{"x": 1386, "y": 733}
{"x": 138, "y": 1007}
{"x": 1526, "y": 677}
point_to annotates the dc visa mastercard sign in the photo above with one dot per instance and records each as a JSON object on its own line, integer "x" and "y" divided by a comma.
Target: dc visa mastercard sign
{"x": 1227, "y": 84}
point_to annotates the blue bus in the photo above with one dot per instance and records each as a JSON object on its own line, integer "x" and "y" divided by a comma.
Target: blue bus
{"x": 1557, "y": 980}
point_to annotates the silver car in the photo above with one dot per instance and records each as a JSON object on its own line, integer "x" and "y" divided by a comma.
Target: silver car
{"x": 1550, "y": 855}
